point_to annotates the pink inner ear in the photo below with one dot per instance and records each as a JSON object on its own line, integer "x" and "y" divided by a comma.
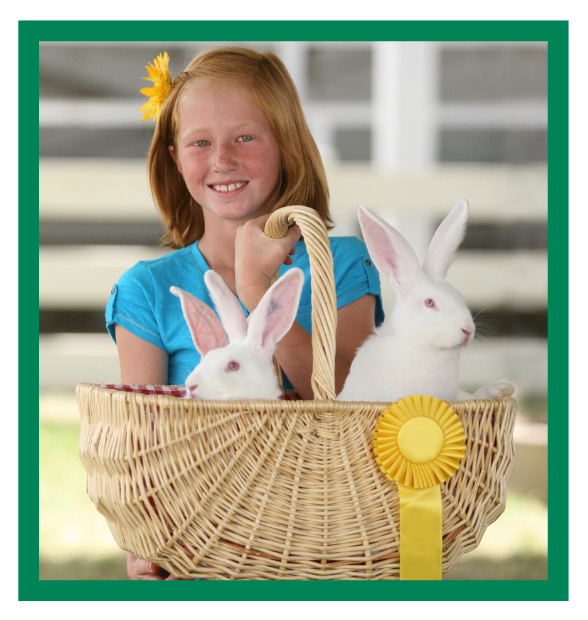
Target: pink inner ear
{"x": 380, "y": 247}
{"x": 276, "y": 312}
{"x": 279, "y": 314}
{"x": 205, "y": 328}
{"x": 207, "y": 331}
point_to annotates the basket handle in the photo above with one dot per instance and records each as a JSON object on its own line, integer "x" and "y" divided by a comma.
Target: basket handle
{"x": 323, "y": 294}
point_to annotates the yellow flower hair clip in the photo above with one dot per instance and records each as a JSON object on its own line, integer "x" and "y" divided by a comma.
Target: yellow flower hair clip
{"x": 161, "y": 77}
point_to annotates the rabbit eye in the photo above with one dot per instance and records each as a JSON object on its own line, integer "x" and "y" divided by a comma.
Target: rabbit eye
{"x": 430, "y": 303}
{"x": 232, "y": 366}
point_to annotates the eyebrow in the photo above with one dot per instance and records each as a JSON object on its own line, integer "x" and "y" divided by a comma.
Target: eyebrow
{"x": 203, "y": 129}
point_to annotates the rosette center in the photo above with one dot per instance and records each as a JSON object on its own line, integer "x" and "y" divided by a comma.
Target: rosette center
{"x": 420, "y": 439}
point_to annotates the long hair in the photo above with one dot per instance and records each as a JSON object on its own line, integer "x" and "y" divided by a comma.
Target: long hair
{"x": 269, "y": 85}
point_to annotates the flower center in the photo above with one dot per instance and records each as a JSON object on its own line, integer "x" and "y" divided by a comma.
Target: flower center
{"x": 420, "y": 439}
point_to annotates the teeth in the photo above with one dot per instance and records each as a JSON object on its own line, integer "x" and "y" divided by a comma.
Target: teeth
{"x": 230, "y": 188}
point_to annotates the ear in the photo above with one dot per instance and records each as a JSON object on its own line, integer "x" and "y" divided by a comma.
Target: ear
{"x": 390, "y": 251}
{"x": 205, "y": 328}
{"x": 227, "y": 305}
{"x": 446, "y": 240}
{"x": 276, "y": 311}
{"x": 176, "y": 159}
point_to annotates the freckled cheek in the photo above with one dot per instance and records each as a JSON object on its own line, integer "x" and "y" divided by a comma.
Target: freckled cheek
{"x": 194, "y": 170}
{"x": 272, "y": 168}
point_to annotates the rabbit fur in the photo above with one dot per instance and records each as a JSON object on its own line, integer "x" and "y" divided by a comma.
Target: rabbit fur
{"x": 236, "y": 352}
{"x": 417, "y": 348}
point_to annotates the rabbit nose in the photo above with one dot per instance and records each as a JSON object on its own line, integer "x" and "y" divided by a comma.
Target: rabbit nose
{"x": 192, "y": 387}
{"x": 467, "y": 333}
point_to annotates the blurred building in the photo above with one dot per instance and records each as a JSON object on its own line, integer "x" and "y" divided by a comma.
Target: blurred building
{"x": 405, "y": 128}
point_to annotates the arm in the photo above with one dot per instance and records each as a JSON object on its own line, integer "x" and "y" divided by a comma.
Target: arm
{"x": 141, "y": 363}
{"x": 257, "y": 259}
{"x": 355, "y": 322}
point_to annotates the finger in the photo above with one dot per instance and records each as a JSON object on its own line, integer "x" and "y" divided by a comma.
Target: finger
{"x": 144, "y": 567}
{"x": 151, "y": 572}
{"x": 261, "y": 221}
{"x": 294, "y": 233}
{"x": 150, "y": 577}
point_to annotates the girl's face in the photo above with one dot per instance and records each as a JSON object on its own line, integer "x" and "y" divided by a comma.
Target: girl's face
{"x": 226, "y": 151}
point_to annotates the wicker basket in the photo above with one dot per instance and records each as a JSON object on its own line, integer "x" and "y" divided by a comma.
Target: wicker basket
{"x": 277, "y": 489}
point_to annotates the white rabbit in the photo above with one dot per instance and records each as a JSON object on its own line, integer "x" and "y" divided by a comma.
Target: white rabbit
{"x": 416, "y": 350}
{"x": 238, "y": 367}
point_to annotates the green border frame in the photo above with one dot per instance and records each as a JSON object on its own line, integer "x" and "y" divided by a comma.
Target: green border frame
{"x": 556, "y": 34}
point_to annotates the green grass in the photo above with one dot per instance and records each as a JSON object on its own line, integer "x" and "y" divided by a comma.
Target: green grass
{"x": 74, "y": 539}
{"x": 75, "y": 542}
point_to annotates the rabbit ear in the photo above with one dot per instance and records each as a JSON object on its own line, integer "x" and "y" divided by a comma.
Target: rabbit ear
{"x": 205, "y": 328}
{"x": 446, "y": 240}
{"x": 276, "y": 311}
{"x": 227, "y": 305}
{"x": 390, "y": 251}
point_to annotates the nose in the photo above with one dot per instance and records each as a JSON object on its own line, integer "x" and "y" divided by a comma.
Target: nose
{"x": 224, "y": 158}
{"x": 192, "y": 387}
{"x": 467, "y": 332}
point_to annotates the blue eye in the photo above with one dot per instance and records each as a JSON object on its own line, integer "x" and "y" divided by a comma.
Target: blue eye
{"x": 202, "y": 142}
{"x": 246, "y": 138}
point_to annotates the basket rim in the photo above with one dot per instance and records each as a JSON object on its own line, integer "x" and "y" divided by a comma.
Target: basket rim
{"x": 320, "y": 406}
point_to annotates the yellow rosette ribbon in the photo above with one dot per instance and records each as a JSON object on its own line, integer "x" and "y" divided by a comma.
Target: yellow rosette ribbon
{"x": 419, "y": 442}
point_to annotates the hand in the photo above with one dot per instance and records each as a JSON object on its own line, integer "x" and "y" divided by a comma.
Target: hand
{"x": 138, "y": 569}
{"x": 258, "y": 258}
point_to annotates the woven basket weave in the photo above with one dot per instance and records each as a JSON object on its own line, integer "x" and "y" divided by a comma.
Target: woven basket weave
{"x": 277, "y": 489}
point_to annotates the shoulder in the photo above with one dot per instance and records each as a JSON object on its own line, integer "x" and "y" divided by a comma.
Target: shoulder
{"x": 163, "y": 262}
{"x": 348, "y": 252}
{"x": 352, "y": 265}
{"x": 151, "y": 273}
{"x": 345, "y": 246}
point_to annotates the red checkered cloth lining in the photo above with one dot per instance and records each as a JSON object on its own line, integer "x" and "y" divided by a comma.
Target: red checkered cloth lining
{"x": 168, "y": 390}
{"x": 179, "y": 391}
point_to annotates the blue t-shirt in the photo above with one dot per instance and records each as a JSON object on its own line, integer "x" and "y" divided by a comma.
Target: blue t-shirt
{"x": 142, "y": 303}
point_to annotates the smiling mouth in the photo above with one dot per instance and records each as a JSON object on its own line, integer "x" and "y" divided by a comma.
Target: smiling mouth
{"x": 229, "y": 188}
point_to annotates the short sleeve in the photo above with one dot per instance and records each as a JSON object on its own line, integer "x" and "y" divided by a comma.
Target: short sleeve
{"x": 355, "y": 274}
{"x": 132, "y": 306}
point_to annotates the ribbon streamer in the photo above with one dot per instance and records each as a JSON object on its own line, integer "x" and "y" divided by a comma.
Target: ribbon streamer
{"x": 420, "y": 533}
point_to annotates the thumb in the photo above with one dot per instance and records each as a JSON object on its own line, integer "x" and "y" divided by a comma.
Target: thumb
{"x": 293, "y": 235}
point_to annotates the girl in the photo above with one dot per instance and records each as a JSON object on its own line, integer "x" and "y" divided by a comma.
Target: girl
{"x": 231, "y": 145}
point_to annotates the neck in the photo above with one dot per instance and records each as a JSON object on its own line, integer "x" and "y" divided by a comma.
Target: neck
{"x": 218, "y": 249}
{"x": 217, "y": 246}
